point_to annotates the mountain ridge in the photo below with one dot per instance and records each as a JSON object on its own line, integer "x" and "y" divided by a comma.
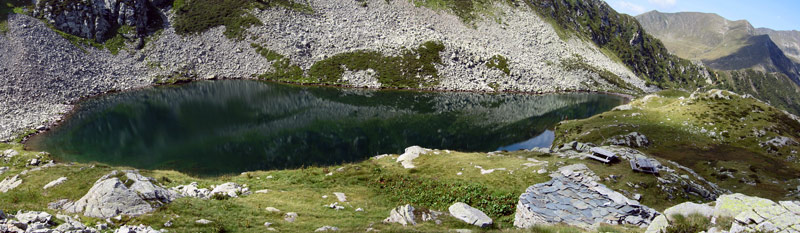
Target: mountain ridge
{"x": 720, "y": 43}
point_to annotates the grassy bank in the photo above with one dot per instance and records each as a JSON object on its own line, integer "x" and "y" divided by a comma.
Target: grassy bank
{"x": 376, "y": 185}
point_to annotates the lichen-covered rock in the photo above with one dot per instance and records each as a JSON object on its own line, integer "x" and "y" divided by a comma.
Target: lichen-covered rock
{"x": 125, "y": 193}
{"x": 469, "y": 215}
{"x": 402, "y": 214}
{"x": 574, "y": 197}
{"x": 762, "y": 215}
{"x": 733, "y": 204}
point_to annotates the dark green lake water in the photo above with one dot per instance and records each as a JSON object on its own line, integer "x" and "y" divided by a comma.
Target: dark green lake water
{"x": 231, "y": 126}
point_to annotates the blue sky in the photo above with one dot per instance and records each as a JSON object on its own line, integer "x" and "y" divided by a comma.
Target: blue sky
{"x": 775, "y": 14}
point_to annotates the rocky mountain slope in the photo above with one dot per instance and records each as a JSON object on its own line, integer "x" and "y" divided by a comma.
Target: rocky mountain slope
{"x": 720, "y": 43}
{"x": 747, "y": 60}
{"x": 515, "y": 51}
{"x": 622, "y": 37}
{"x": 788, "y": 41}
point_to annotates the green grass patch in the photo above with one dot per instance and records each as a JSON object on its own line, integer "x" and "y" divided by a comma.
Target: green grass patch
{"x": 468, "y": 10}
{"x": 283, "y": 70}
{"x": 3, "y": 27}
{"x": 499, "y": 62}
{"x": 440, "y": 194}
{"x": 577, "y": 62}
{"x": 692, "y": 223}
{"x": 196, "y": 16}
{"x": 413, "y": 68}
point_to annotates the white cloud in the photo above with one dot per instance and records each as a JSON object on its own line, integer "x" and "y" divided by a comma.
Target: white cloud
{"x": 663, "y": 3}
{"x": 630, "y": 8}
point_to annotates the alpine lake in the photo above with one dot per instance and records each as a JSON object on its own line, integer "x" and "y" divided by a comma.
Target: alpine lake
{"x": 211, "y": 128}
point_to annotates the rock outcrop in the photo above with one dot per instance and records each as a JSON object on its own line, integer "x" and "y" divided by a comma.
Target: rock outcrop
{"x": 121, "y": 193}
{"x": 406, "y": 215}
{"x": 759, "y": 214}
{"x": 402, "y": 214}
{"x": 97, "y": 19}
{"x": 750, "y": 214}
{"x": 574, "y": 197}
{"x": 229, "y": 189}
{"x": 9, "y": 183}
{"x": 470, "y": 215}
{"x": 633, "y": 140}
{"x": 55, "y": 182}
{"x": 411, "y": 153}
{"x": 42, "y": 222}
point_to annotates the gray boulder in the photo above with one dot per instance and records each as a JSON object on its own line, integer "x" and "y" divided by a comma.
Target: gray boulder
{"x": 55, "y": 182}
{"x": 470, "y": 215}
{"x": 326, "y": 228}
{"x": 191, "y": 190}
{"x": 634, "y": 140}
{"x": 402, "y": 214}
{"x": 230, "y": 189}
{"x": 689, "y": 208}
{"x": 136, "y": 229}
{"x": 110, "y": 196}
{"x": 31, "y": 217}
{"x": 290, "y": 217}
{"x": 9, "y": 183}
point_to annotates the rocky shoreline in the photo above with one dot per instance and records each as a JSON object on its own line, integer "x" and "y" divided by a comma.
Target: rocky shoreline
{"x": 46, "y": 74}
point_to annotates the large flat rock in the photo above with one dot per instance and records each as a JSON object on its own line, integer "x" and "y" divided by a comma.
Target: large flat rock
{"x": 574, "y": 197}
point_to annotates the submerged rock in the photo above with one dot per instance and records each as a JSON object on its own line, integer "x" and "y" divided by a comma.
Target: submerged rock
{"x": 121, "y": 193}
{"x": 470, "y": 215}
{"x": 575, "y": 198}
